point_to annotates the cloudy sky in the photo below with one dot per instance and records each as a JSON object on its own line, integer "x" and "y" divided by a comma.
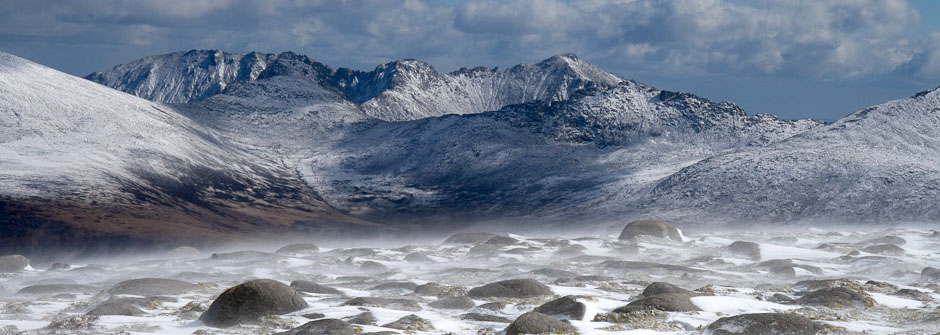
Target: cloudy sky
{"x": 794, "y": 58}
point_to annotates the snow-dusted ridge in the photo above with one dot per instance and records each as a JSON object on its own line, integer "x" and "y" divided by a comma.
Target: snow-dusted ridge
{"x": 78, "y": 159}
{"x": 550, "y": 141}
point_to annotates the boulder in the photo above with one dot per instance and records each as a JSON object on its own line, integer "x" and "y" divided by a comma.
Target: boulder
{"x": 430, "y": 289}
{"x": 495, "y": 306}
{"x": 352, "y": 252}
{"x": 538, "y": 323}
{"x": 399, "y": 304}
{"x": 57, "y": 288}
{"x": 311, "y": 287}
{"x": 913, "y": 294}
{"x": 658, "y": 288}
{"x": 836, "y": 297}
{"x": 469, "y": 238}
{"x": 744, "y": 249}
{"x": 395, "y": 285}
{"x": 152, "y": 286}
{"x": 765, "y": 323}
{"x": 246, "y": 302}
{"x": 500, "y": 240}
{"x": 410, "y": 323}
{"x": 183, "y": 252}
{"x": 780, "y": 298}
{"x": 13, "y": 263}
{"x": 513, "y": 288}
{"x": 322, "y": 327}
{"x": 364, "y": 318}
{"x": 418, "y": 257}
{"x": 484, "y": 250}
{"x": 298, "y": 247}
{"x": 816, "y": 284}
{"x": 930, "y": 274}
{"x": 123, "y": 308}
{"x": 553, "y": 273}
{"x": 484, "y": 318}
{"x": 885, "y": 249}
{"x": 314, "y": 316}
{"x": 57, "y": 266}
{"x": 372, "y": 267}
{"x": 667, "y": 302}
{"x": 783, "y": 271}
{"x": 567, "y": 307}
{"x": 646, "y": 267}
{"x": 126, "y": 306}
{"x": 457, "y": 302}
{"x": 890, "y": 239}
{"x": 656, "y": 228}
{"x": 244, "y": 255}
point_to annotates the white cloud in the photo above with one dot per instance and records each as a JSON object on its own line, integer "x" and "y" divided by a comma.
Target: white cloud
{"x": 808, "y": 38}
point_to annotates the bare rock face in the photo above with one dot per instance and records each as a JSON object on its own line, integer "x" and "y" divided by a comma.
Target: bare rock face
{"x": 764, "y": 323}
{"x": 13, "y": 263}
{"x": 657, "y": 228}
{"x": 513, "y": 288}
{"x": 246, "y": 302}
{"x": 538, "y": 323}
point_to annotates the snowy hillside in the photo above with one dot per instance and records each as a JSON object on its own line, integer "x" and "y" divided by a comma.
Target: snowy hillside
{"x": 878, "y": 164}
{"x": 561, "y": 138}
{"x": 553, "y": 158}
{"x": 100, "y": 162}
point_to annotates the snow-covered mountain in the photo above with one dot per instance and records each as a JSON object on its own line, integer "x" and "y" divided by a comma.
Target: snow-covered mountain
{"x": 558, "y": 158}
{"x": 182, "y": 77}
{"x": 398, "y": 91}
{"x": 559, "y": 137}
{"x": 82, "y": 161}
{"x": 408, "y": 89}
{"x": 550, "y": 141}
{"x": 880, "y": 164}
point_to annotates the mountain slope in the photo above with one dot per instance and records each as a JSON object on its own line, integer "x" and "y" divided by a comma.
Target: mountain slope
{"x": 398, "y": 91}
{"x": 564, "y": 139}
{"x": 878, "y": 164}
{"x": 81, "y": 161}
{"x": 563, "y": 158}
{"x": 409, "y": 89}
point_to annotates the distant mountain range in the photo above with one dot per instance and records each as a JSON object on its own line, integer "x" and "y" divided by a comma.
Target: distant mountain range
{"x": 230, "y": 145}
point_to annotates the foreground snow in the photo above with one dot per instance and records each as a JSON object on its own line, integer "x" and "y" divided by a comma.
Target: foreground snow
{"x": 727, "y": 285}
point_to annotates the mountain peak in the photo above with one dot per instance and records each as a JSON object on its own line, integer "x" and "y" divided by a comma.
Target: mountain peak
{"x": 564, "y": 56}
